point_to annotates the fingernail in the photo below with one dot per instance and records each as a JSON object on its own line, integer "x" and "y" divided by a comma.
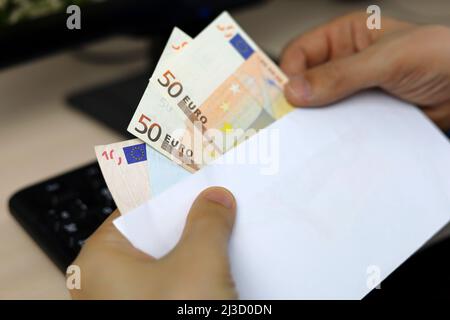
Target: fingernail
{"x": 299, "y": 88}
{"x": 221, "y": 196}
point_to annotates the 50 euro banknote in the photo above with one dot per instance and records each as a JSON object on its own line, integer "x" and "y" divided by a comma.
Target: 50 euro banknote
{"x": 223, "y": 85}
{"x": 155, "y": 120}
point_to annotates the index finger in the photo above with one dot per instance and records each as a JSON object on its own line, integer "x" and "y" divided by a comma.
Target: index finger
{"x": 339, "y": 38}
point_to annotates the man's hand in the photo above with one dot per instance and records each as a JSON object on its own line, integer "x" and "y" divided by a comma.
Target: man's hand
{"x": 197, "y": 268}
{"x": 342, "y": 57}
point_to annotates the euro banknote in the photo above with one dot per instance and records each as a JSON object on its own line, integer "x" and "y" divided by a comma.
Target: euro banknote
{"x": 124, "y": 167}
{"x": 155, "y": 121}
{"x": 129, "y": 182}
{"x": 134, "y": 172}
{"x": 162, "y": 172}
{"x": 238, "y": 91}
{"x": 224, "y": 84}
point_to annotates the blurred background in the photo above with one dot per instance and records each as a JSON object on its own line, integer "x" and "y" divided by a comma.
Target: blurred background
{"x": 63, "y": 91}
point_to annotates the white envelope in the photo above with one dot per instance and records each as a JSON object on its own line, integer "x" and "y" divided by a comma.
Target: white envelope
{"x": 360, "y": 186}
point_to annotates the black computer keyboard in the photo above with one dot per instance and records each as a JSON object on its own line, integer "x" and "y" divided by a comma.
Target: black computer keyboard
{"x": 62, "y": 212}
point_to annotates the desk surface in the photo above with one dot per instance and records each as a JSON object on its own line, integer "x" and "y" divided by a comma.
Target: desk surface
{"x": 33, "y": 109}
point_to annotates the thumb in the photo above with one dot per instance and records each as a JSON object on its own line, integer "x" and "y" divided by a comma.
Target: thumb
{"x": 334, "y": 80}
{"x": 208, "y": 229}
{"x": 107, "y": 232}
{"x": 107, "y": 237}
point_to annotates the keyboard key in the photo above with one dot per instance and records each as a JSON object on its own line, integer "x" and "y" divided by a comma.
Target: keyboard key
{"x": 92, "y": 171}
{"x": 51, "y": 213}
{"x": 56, "y": 226}
{"x": 80, "y": 205}
{"x": 107, "y": 210}
{"x": 81, "y": 242}
{"x": 104, "y": 192}
{"x": 70, "y": 228}
{"x": 64, "y": 215}
{"x": 52, "y": 186}
{"x": 61, "y": 197}
{"x": 71, "y": 242}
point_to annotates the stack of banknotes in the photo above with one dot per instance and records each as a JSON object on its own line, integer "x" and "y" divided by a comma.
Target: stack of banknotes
{"x": 206, "y": 95}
